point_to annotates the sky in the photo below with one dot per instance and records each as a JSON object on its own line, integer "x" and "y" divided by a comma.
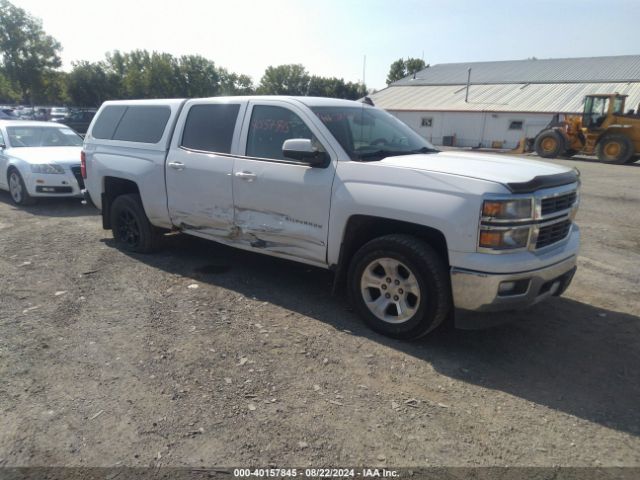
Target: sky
{"x": 332, "y": 37}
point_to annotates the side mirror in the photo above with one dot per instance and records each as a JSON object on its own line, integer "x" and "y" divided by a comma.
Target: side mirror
{"x": 302, "y": 149}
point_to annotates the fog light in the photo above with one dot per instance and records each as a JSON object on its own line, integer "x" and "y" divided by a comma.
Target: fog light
{"x": 506, "y": 287}
{"x": 514, "y": 287}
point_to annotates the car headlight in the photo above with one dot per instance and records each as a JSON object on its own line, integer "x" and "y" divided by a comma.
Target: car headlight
{"x": 514, "y": 209}
{"x": 504, "y": 239}
{"x": 46, "y": 168}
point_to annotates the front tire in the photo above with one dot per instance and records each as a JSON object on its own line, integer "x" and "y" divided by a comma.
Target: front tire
{"x": 18, "y": 189}
{"x": 400, "y": 286}
{"x": 616, "y": 148}
{"x": 131, "y": 228}
{"x": 549, "y": 144}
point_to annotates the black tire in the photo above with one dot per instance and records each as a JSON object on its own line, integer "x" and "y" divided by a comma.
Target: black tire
{"x": 549, "y": 144}
{"x": 131, "y": 228}
{"x": 615, "y": 148}
{"x": 433, "y": 302}
{"x": 19, "y": 194}
{"x": 633, "y": 160}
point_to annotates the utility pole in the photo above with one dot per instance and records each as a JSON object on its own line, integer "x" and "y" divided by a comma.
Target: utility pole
{"x": 466, "y": 95}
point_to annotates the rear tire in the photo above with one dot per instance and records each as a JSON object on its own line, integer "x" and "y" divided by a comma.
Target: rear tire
{"x": 615, "y": 148}
{"x": 17, "y": 189}
{"x": 400, "y": 286}
{"x": 549, "y": 144}
{"x": 131, "y": 228}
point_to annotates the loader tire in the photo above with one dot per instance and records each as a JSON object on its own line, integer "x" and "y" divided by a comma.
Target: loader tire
{"x": 615, "y": 148}
{"x": 549, "y": 144}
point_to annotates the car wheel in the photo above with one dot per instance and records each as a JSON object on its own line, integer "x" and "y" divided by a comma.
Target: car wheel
{"x": 131, "y": 228}
{"x": 400, "y": 286}
{"x": 18, "y": 190}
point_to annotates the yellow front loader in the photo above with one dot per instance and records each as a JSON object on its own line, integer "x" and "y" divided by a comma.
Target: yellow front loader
{"x": 604, "y": 129}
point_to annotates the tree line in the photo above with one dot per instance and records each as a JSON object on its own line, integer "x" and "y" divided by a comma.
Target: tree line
{"x": 30, "y": 72}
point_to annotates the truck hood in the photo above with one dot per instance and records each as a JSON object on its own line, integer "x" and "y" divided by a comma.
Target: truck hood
{"x": 60, "y": 155}
{"x": 492, "y": 167}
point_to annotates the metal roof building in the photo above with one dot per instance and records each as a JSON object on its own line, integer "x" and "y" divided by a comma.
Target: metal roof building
{"x": 506, "y": 100}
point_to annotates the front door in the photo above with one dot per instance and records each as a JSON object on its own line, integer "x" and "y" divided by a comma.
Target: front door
{"x": 199, "y": 168}
{"x": 281, "y": 205}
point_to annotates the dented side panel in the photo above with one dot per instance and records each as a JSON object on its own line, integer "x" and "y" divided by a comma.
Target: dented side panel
{"x": 285, "y": 209}
{"x": 199, "y": 195}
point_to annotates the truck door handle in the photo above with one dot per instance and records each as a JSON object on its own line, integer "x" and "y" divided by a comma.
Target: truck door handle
{"x": 176, "y": 165}
{"x": 248, "y": 176}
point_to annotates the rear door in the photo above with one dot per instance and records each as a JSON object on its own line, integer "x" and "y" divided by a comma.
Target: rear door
{"x": 199, "y": 167}
{"x": 282, "y": 206}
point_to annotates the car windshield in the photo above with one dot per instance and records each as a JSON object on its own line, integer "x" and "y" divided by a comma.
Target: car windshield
{"x": 43, "y": 137}
{"x": 368, "y": 134}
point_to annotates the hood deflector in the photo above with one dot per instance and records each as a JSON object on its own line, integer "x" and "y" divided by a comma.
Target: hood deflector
{"x": 544, "y": 181}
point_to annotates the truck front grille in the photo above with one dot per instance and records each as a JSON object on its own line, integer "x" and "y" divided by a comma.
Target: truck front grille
{"x": 553, "y": 233}
{"x": 560, "y": 203}
{"x": 77, "y": 172}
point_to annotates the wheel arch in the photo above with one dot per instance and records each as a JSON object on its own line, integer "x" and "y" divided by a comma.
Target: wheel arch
{"x": 113, "y": 187}
{"x": 360, "y": 229}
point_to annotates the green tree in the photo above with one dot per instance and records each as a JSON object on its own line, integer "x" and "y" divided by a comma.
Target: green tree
{"x": 335, "y": 88}
{"x": 28, "y": 53}
{"x": 402, "y": 68}
{"x": 8, "y": 93}
{"x": 284, "y": 80}
{"x": 198, "y": 77}
{"x": 90, "y": 84}
{"x": 235, "y": 84}
{"x": 53, "y": 89}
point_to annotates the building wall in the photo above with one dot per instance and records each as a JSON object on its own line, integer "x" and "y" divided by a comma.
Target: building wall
{"x": 473, "y": 129}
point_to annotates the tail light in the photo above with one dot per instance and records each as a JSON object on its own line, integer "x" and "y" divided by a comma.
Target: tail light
{"x": 83, "y": 164}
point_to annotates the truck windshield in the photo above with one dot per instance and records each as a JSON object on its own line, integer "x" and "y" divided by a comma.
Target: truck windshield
{"x": 43, "y": 137}
{"x": 368, "y": 134}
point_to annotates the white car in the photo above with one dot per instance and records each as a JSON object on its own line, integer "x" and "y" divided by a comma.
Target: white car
{"x": 39, "y": 159}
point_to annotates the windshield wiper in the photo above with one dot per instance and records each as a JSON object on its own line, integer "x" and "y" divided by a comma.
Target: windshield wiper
{"x": 380, "y": 154}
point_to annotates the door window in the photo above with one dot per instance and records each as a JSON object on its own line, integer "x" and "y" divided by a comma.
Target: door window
{"x": 210, "y": 127}
{"x": 269, "y": 127}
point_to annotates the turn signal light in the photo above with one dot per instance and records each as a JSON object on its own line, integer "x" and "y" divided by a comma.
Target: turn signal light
{"x": 490, "y": 239}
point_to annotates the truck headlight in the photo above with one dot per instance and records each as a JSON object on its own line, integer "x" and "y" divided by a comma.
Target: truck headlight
{"x": 514, "y": 209}
{"x": 46, "y": 168}
{"x": 504, "y": 239}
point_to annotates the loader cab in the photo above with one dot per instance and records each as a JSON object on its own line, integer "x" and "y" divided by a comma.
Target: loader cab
{"x": 597, "y": 108}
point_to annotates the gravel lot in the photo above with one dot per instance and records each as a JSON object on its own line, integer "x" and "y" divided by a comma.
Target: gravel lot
{"x": 202, "y": 355}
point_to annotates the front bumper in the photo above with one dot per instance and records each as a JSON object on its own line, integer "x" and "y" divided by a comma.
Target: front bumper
{"x": 52, "y": 185}
{"x": 480, "y": 291}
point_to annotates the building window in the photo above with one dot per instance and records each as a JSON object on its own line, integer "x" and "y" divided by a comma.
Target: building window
{"x": 427, "y": 122}
{"x": 516, "y": 125}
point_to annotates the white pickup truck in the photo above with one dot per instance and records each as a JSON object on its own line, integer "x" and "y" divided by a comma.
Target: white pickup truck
{"x": 413, "y": 231}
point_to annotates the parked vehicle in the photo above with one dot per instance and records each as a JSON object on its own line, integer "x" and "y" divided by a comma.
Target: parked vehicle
{"x": 56, "y": 113}
{"x": 605, "y": 129}
{"x": 344, "y": 186}
{"x": 8, "y": 114}
{"x": 39, "y": 159}
{"x": 78, "y": 120}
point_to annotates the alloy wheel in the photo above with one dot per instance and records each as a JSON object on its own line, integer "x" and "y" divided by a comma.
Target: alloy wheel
{"x": 390, "y": 290}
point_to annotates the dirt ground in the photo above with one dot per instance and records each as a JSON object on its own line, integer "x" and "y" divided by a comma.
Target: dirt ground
{"x": 202, "y": 356}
